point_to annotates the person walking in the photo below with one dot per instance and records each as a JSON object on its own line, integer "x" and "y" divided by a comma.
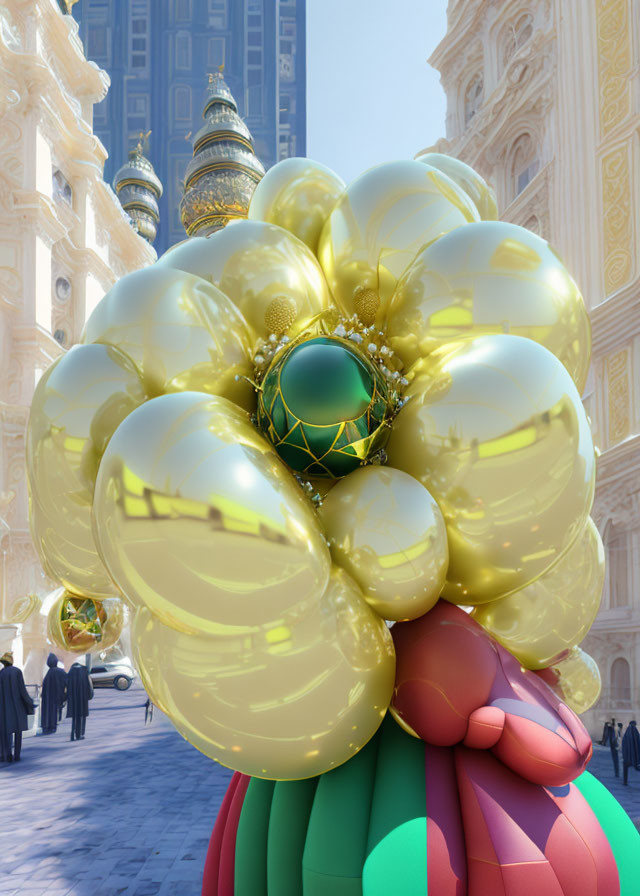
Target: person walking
{"x": 54, "y": 692}
{"x": 630, "y": 750}
{"x": 79, "y": 692}
{"x": 614, "y": 744}
{"x": 15, "y": 706}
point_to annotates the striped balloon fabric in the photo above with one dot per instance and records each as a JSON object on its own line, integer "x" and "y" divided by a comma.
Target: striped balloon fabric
{"x": 404, "y": 818}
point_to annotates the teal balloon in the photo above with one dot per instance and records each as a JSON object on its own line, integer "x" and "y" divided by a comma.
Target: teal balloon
{"x": 324, "y": 405}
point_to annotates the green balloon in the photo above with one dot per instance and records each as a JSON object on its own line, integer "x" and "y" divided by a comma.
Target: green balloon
{"x": 324, "y": 404}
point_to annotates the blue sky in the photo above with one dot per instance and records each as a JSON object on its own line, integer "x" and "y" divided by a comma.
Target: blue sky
{"x": 371, "y": 96}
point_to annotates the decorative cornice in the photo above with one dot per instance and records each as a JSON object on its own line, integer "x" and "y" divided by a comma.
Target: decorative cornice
{"x": 616, "y": 319}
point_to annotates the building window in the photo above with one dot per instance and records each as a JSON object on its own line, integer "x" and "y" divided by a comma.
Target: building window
{"x": 517, "y": 34}
{"x": 218, "y": 14}
{"x": 97, "y": 41}
{"x": 285, "y": 108}
{"x": 617, "y": 565}
{"x": 137, "y": 104}
{"x": 62, "y": 187}
{"x": 254, "y": 100}
{"x": 139, "y": 34}
{"x": 621, "y": 683}
{"x": 524, "y": 164}
{"x": 183, "y": 51}
{"x": 216, "y": 54}
{"x": 473, "y": 98}
{"x": 182, "y": 104}
{"x": 62, "y": 289}
{"x": 183, "y": 10}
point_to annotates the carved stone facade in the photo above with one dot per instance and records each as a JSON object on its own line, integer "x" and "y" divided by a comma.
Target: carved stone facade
{"x": 64, "y": 240}
{"x": 557, "y": 133}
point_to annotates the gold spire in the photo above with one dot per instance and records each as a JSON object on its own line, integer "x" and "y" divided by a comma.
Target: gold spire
{"x": 224, "y": 171}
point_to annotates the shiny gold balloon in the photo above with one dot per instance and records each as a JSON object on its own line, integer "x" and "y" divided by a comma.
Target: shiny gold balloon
{"x": 85, "y": 625}
{"x": 272, "y": 277}
{"x": 299, "y": 195}
{"x": 490, "y": 277}
{"x": 377, "y": 226}
{"x": 386, "y": 530}
{"x": 292, "y": 699}
{"x": 475, "y": 186}
{"x": 182, "y": 333}
{"x": 494, "y": 428}
{"x": 197, "y": 518}
{"x": 554, "y": 613}
{"x": 575, "y": 679}
{"x": 77, "y": 405}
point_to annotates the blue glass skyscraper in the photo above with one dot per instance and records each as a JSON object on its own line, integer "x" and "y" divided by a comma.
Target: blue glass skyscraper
{"x": 159, "y": 53}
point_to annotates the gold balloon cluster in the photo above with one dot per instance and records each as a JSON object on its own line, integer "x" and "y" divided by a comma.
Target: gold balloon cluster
{"x": 259, "y": 614}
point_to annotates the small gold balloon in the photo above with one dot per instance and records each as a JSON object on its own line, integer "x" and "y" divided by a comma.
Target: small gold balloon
{"x": 576, "y": 680}
{"x": 379, "y": 223}
{"x": 494, "y": 428}
{"x": 197, "y": 518}
{"x": 297, "y": 194}
{"x": 554, "y": 613}
{"x": 77, "y": 405}
{"x": 182, "y": 333}
{"x": 292, "y": 699}
{"x": 85, "y": 625}
{"x": 475, "y": 186}
{"x": 490, "y": 277}
{"x": 256, "y": 264}
{"x": 386, "y": 531}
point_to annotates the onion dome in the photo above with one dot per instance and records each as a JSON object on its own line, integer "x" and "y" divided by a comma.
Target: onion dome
{"x": 224, "y": 171}
{"x": 138, "y": 188}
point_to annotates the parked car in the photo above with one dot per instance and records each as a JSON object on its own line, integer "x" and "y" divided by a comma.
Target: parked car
{"x": 117, "y": 675}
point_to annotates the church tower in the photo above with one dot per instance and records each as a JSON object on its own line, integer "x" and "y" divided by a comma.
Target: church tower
{"x": 138, "y": 188}
{"x": 224, "y": 171}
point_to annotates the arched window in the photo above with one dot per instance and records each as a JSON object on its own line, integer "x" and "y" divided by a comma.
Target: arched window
{"x": 516, "y": 36}
{"x": 620, "y": 682}
{"x": 617, "y": 542}
{"x": 524, "y": 163}
{"x": 473, "y": 98}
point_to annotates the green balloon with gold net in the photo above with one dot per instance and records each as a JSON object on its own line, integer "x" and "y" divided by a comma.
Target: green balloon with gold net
{"x": 324, "y": 405}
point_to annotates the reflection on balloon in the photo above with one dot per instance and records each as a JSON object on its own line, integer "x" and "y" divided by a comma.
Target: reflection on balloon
{"x": 490, "y": 277}
{"x": 379, "y": 223}
{"x": 181, "y": 332}
{"x": 291, "y": 699}
{"x": 386, "y": 530}
{"x": 575, "y": 679}
{"x": 85, "y": 625}
{"x": 23, "y": 608}
{"x": 77, "y": 405}
{"x": 272, "y": 277}
{"x": 196, "y": 517}
{"x": 554, "y": 613}
{"x": 297, "y": 194}
{"x": 475, "y": 186}
{"x": 495, "y": 429}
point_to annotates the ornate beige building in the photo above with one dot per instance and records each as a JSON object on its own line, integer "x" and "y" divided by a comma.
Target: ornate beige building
{"x": 543, "y": 98}
{"x": 64, "y": 240}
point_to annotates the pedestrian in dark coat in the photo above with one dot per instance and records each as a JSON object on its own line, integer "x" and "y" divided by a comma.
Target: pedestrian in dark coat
{"x": 630, "y": 750}
{"x": 54, "y": 693}
{"x": 79, "y": 692}
{"x": 614, "y": 745}
{"x": 15, "y": 706}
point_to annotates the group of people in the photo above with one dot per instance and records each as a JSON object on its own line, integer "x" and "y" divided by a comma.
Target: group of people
{"x": 613, "y": 737}
{"x": 58, "y": 687}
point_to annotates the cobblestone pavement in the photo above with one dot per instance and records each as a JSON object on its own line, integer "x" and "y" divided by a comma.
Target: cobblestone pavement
{"x": 126, "y": 812}
{"x": 602, "y": 767}
{"x": 129, "y": 810}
